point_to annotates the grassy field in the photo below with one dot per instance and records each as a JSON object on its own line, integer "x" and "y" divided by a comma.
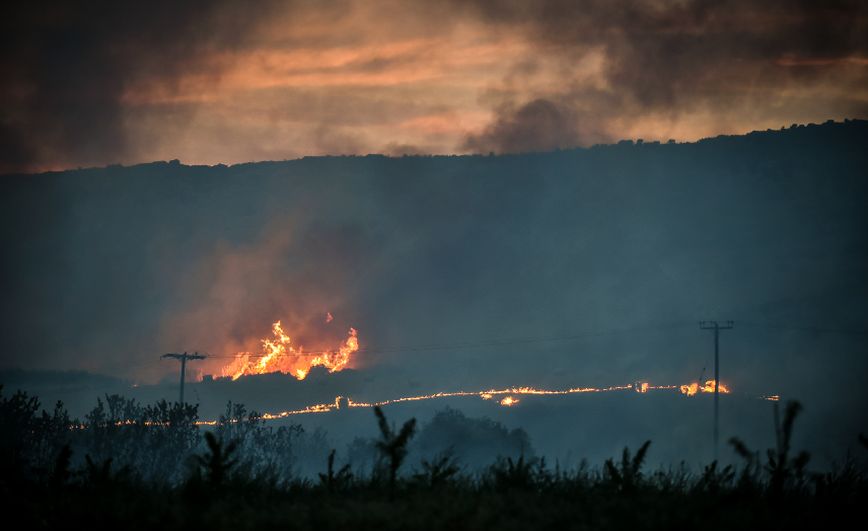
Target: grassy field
{"x": 150, "y": 467}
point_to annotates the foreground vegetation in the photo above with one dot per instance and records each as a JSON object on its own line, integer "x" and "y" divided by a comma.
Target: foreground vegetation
{"x": 141, "y": 467}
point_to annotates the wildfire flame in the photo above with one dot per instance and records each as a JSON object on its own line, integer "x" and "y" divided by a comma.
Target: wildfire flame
{"x": 280, "y": 355}
{"x": 509, "y": 401}
{"x": 695, "y": 387}
{"x": 343, "y": 402}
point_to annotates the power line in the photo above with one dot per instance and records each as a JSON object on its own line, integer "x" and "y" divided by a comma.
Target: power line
{"x": 806, "y": 328}
{"x": 488, "y": 343}
{"x": 493, "y": 342}
{"x": 183, "y": 359}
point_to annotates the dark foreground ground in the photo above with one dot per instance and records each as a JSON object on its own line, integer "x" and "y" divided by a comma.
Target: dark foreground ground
{"x": 153, "y": 467}
{"x": 522, "y": 502}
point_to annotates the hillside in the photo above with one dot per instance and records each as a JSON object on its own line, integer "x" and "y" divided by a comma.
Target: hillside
{"x": 619, "y": 249}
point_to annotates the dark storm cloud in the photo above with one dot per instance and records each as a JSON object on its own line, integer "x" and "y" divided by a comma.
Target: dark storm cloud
{"x": 66, "y": 66}
{"x": 674, "y": 57}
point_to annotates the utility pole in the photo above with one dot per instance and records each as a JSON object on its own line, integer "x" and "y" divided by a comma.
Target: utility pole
{"x": 183, "y": 359}
{"x": 717, "y": 327}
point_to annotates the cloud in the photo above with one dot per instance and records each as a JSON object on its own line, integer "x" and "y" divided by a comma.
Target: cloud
{"x": 67, "y": 67}
{"x": 665, "y": 59}
{"x": 212, "y": 82}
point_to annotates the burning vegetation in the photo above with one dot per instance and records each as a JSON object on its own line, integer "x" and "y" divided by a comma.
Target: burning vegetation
{"x": 508, "y": 401}
{"x": 280, "y": 354}
{"x": 708, "y": 387}
{"x": 505, "y": 397}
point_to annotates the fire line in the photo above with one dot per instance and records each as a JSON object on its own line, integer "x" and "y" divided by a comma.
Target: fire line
{"x": 507, "y": 400}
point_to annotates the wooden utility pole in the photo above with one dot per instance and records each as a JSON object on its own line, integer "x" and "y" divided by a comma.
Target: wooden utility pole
{"x": 717, "y": 327}
{"x": 183, "y": 359}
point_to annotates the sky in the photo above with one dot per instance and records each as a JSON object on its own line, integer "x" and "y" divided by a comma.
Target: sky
{"x": 226, "y": 81}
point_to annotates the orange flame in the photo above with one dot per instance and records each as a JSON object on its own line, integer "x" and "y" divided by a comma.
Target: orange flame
{"x": 343, "y": 402}
{"x": 280, "y": 355}
{"x": 509, "y": 401}
{"x": 695, "y": 387}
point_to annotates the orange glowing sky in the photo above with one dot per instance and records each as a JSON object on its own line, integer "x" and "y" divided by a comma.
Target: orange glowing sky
{"x": 227, "y": 83}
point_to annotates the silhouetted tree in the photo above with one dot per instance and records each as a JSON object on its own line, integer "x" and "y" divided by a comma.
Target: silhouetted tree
{"x": 217, "y": 462}
{"x": 521, "y": 473}
{"x": 783, "y": 471}
{"x": 263, "y": 451}
{"x": 332, "y": 480}
{"x": 472, "y": 440}
{"x": 780, "y": 466}
{"x": 713, "y": 479}
{"x": 100, "y": 474}
{"x": 61, "y": 473}
{"x": 439, "y": 470}
{"x": 392, "y": 445}
{"x": 18, "y": 432}
{"x": 628, "y": 473}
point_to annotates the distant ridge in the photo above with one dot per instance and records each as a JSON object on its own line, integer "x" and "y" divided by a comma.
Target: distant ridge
{"x": 795, "y": 132}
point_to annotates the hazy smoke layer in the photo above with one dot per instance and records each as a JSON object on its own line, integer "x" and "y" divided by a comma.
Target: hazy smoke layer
{"x": 67, "y": 68}
{"x": 664, "y": 59}
{"x": 228, "y": 81}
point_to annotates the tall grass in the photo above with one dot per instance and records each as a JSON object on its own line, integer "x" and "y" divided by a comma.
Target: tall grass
{"x": 228, "y": 478}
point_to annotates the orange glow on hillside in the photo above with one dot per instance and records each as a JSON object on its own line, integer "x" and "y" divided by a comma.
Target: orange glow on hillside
{"x": 279, "y": 354}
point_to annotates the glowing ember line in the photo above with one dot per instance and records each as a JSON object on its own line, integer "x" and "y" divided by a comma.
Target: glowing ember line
{"x": 507, "y": 400}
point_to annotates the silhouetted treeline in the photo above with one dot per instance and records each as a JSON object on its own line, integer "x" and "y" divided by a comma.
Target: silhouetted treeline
{"x": 140, "y": 466}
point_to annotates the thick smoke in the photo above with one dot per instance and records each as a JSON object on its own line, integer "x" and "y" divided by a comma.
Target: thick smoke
{"x": 539, "y": 125}
{"x": 67, "y": 68}
{"x": 665, "y": 59}
{"x": 122, "y": 81}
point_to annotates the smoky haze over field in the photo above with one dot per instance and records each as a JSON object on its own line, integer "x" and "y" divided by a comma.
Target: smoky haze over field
{"x": 627, "y": 246}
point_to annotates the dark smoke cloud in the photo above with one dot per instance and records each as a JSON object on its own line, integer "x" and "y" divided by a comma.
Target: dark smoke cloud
{"x": 538, "y": 125}
{"x": 733, "y": 57}
{"x": 66, "y": 67}
{"x": 109, "y": 81}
